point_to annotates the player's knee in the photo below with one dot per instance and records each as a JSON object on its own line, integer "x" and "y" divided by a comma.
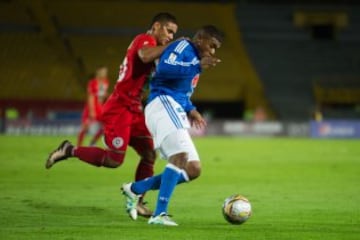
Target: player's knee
{"x": 193, "y": 169}
{"x": 179, "y": 160}
{"x": 114, "y": 159}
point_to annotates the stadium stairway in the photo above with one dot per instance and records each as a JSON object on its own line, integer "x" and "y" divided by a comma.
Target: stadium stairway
{"x": 31, "y": 68}
{"x": 288, "y": 60}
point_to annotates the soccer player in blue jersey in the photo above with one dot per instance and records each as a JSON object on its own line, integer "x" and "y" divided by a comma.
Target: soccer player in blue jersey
{"x": 169, "y": 114}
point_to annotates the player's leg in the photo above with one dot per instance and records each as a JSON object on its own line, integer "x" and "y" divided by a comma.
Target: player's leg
{"x": 168, "y": 126}
{"x": 99, "y": 126}
{"x": 145, "y": 168}
{"x": 144, "y": 147}
{"x": 85, "y": 123}
{"x": 142, "y": 143}
{"x": 177, "y": 147}
{"x": 191, "y": 171}
{"x": 193, "y": 165}
{"x": 117, "y": 134}
{"x": 166, "y": 182}
{"x": 83, "y": 130}
{"x": 92, "y": 155}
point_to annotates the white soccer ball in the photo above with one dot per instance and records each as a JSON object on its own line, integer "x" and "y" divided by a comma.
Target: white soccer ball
{"x": 236, "y": 209}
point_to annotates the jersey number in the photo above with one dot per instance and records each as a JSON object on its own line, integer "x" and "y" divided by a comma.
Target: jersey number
{"x": 123, "y": 69}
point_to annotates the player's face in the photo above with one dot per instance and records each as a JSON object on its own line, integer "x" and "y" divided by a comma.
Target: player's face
{"x": 164, "y": 33}
{"x": 208, "y": 46}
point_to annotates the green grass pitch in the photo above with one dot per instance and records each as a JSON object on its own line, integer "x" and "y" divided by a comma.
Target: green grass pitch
{"x": 299, "y": 189}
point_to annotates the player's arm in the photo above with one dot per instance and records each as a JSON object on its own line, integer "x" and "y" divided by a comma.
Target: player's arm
{"x": 91, "y": 106}
{"x": 148, "y": 54}
{"x": 91, "y": 94}
{"x": 195, "y": 117}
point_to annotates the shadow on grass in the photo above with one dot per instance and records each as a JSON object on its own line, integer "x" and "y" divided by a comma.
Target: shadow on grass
{"x": 56, "y": 208}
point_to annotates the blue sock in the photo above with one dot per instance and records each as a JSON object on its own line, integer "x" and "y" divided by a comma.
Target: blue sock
{"x": 142, "y": 186}
{"x": 153, "y": 183}
{"x": 169, "y": 180}
{"x": 183, "y": 177}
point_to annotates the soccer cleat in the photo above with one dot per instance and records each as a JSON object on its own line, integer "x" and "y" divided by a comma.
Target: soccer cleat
{"x": 162, "y": 219}
{"x": 132, "y": 200}
{"x": 143, "y": 211}
{"x": 61, "y": 153}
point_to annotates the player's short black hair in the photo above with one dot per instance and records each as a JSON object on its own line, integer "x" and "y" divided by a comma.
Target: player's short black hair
{"x": 210, "y": 30}
{"x": 164, "y": 17}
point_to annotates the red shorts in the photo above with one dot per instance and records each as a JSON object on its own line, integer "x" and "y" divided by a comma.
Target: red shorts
{"x": 123, "y": 127}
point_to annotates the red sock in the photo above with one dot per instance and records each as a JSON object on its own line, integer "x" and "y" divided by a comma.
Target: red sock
{"x": 81, "y": 137}
{"x": 96, "y": 137}
{"x": 92, "y": 155}
{"x": 144, "y": 170}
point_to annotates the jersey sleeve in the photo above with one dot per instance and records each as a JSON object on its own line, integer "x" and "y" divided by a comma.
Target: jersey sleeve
{"x": 145, "y": 41}
{"x": 189, "y": 106}
{"x": 91, "y": 87}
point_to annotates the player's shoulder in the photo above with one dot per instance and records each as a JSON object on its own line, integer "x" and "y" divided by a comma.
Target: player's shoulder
{"x": 181, "y": 45}
{"x": 145, "y": 39}
{"x": 92, "y": 82}
{"x": 92, "y": 85}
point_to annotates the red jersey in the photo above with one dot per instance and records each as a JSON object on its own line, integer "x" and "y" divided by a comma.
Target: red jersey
{"x": 133, "y": 74}
{"x": 99, "y": 90}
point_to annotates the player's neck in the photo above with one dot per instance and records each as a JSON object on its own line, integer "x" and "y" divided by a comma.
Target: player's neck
{"x": 100, "y": 79}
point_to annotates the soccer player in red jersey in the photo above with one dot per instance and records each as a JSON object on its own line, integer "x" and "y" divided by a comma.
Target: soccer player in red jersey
{"x": 97, "y": 91}
{"x": 123, "y": 117}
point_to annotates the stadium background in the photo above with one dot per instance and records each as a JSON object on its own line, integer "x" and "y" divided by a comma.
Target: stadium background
{"x": 283, "y": 62}
{"x": 290, "y": 69}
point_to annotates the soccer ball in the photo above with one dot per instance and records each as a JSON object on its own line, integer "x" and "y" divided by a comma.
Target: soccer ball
{"x": 236, "y": 209}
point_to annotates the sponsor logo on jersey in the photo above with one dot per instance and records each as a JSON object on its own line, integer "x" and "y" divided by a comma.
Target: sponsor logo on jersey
{"x": 172, "y": 58}
{"x": 180, "y": 110}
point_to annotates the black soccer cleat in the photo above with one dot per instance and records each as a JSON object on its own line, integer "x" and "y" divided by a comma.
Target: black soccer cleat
{"x": 61, "y": 153}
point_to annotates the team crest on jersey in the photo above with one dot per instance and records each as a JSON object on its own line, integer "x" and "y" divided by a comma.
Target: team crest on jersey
{"x": 180, "y": 110}
{"x": 195, "y": 80}
{"x": 118, "y": 142}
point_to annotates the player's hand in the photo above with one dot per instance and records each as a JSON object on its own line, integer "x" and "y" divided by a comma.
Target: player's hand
{"x": 209, "y": 61}
{"x": 196, "y": 119}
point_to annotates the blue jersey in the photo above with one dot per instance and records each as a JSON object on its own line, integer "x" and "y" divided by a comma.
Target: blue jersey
{"x": 177, "y": 73}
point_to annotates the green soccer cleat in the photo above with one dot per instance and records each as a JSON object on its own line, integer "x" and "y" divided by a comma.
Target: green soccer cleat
{"x": 162, "y": 219}
{"x": 132, "y": 200}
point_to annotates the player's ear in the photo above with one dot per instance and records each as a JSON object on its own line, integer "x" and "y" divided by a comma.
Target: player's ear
{"x": 198, "y": 41}
{"x": 156, "y": 26}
